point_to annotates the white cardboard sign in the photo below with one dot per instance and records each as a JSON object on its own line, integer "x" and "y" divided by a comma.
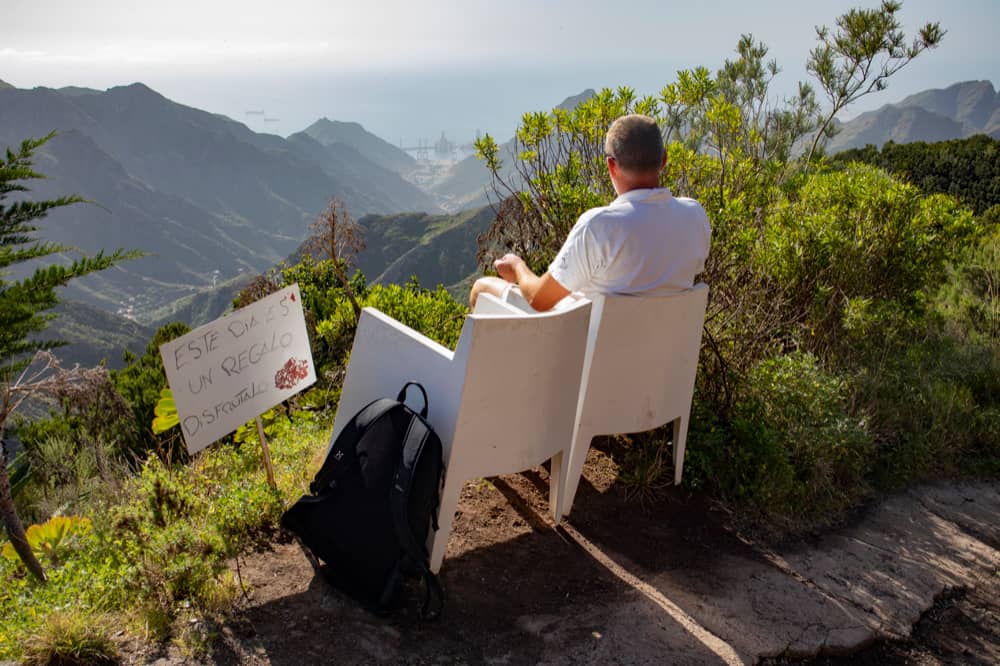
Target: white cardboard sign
{"x": 233, "y": 369}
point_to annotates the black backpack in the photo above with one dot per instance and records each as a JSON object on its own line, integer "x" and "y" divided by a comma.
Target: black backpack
{"x": 373, "y": 503}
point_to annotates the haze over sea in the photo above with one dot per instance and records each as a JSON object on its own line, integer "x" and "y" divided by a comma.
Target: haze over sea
{"x": 409, "y": 70}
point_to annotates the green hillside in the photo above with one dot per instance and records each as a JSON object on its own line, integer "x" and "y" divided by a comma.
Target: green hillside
{"x": 437, "y": 249}
{"x": 95, "y": 336}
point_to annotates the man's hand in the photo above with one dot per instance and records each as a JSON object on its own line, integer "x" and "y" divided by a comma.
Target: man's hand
{"x": 507, "y": 267}
{"x": 540, "y": 292}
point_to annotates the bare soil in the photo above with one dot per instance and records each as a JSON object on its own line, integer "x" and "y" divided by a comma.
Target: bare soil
{"x": 519, "y": 591}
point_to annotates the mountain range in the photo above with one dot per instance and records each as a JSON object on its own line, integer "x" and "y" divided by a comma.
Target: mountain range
{"x": 206, "y": 197}
{"x": 956, "y": 112}
{"x": 329, "y": 132}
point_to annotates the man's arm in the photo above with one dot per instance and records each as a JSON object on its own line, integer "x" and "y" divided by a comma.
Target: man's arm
{"x": 541, "y": 292}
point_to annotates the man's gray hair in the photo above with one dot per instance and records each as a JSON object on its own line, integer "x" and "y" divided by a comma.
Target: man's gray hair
{"x": 635, "y": 143}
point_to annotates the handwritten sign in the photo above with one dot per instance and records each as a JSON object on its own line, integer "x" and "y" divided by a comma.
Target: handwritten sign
{"x": 230, "y": 371}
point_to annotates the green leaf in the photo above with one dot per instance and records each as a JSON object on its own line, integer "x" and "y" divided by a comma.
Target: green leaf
{"x": 166, "y": 412}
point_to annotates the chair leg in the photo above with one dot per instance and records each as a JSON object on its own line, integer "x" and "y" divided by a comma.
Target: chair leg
{"x": 446, "y": 516}
{"x": 577, "y": 456}
{"x": 680, "y": 437}
{"x": 558, "y": 471}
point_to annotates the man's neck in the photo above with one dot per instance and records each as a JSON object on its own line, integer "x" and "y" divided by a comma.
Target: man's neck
{"x": 640, "y": 185}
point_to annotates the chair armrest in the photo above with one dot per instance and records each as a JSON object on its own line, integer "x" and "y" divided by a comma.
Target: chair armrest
{"x": 490, "y": 304}
{"x": 375, "y": 324}
{"x": 386, "y": 354}
{"x": 513, "y": 296}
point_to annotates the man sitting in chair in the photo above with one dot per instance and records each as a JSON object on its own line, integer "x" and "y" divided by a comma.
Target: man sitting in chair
{"x": 644, "y": 242}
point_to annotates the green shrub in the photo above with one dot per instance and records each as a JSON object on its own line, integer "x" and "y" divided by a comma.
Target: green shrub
{"x": 855, "y": 240}
{"x": 970, "y": 299}
{"x": 140, "y": 383}
{"x": 436, "y": 314}
{"x": 792, "y": 455}
{"x": 175, "y": 555}
{"x": 935, "y": 410}
{"x": 89, "y": 579}
{"x": 968, "y": 169}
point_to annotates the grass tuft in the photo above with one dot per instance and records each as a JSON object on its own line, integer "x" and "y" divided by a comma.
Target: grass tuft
{"x": 67, "y": 639}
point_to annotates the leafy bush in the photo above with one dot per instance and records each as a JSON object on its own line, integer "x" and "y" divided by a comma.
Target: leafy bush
{"x": 434, "y": 313}
{"x": 175, "y": 557}
{"x": 140, "y": 383}
{"x": 859, "y": 237}
{"x": 792, "y": 453}
{"x": 935, "y": 410}
{"x": 970, "y": 299}
{"x": 967, "y": 169}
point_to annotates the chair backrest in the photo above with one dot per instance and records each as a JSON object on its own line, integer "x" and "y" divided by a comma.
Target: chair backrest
{"x": 519, "y": 394}
{"x": 642, "y": 354}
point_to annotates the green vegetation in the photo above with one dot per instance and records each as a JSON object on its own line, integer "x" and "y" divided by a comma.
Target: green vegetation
{"x": 967, "y": 169}
{"x": 24, "y": 306}
{"x": 156, "y": 557}
{"x": 72, "y": 638}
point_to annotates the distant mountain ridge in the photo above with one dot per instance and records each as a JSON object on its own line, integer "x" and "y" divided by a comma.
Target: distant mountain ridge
{"x": 383, "y": 153}
{"x": 206, "y": 196}
{"x": 956, "y": 112}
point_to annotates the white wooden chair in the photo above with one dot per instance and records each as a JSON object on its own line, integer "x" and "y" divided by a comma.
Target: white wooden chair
{"x": 504, "y": 401}
{"x": 638, "y": 372}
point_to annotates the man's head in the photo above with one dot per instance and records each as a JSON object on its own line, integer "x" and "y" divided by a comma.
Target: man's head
{"x": 634, "y": 147}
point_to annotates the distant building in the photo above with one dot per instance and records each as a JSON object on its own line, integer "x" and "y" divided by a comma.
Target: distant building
{"x": 443, "y": 147}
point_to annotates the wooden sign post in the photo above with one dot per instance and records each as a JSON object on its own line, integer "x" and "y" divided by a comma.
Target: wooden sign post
{"x": 268, "y": 467}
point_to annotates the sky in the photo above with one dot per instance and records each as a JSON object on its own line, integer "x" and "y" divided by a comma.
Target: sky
{"x": 410, "y": 69}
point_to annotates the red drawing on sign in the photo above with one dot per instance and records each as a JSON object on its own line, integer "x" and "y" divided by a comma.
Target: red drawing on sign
{"x": 291, "y": 373}
{"x": 293, "y": 297}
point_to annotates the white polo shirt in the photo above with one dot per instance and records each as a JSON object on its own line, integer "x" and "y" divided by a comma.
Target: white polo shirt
{"x": 644, "y": 242}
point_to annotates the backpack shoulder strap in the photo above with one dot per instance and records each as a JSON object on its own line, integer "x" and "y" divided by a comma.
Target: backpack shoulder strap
{"x": 399, "y": 503}
{"x": 416, "y": 436}
{"x": 342, "y": 453}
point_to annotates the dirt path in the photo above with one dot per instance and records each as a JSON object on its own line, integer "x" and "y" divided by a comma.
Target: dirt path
{"x": 669, "y": 585}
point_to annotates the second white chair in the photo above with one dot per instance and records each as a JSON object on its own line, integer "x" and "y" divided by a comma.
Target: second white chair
{"x": 638, "y": 371}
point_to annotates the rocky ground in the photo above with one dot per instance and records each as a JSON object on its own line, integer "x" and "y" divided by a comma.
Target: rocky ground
{"x": 914, "y": 580}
